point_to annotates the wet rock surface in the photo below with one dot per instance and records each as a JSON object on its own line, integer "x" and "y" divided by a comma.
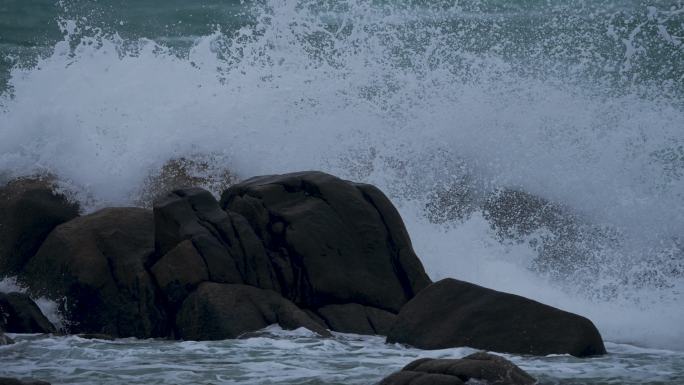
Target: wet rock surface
{"x": 95, "y": 267}
{"x": 5, "y": 340}
{"x": 19, "y": 314}
{"x": 14, "y": 381}
{"x": 452, "y": 313}
{"x": 29, "y": 210}
{"x": 330, "y": 241}
{"x": 358, "y": 319}
{"x": 220, "y": 311}
{"x": 478, "y": 368}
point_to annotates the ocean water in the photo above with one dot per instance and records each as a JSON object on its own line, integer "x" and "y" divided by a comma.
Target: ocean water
{"x": 297, "y": 357}
{"x": 438, "y": 103}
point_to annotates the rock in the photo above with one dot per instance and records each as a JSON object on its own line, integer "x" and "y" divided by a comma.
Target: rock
{"x": 14, "y": 381}
{"x": 330, "y": 241}
{"x": 481, "y": 368}
{"x": 19, "y": 314}
{"x": 179, "y": 272}
{"x": 29, "y": 210}
{"x": 358, "y": 319}
{"x": 94, "y": 266}
{"x": 222, "y": 311}
{"x": 229, "y": 248}
{"x": 452, "y": 313}
{"x": 4, "y": 340}
{"x": 96, "y": 336}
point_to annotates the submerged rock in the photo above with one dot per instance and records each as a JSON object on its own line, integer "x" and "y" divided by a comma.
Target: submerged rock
{"x": 14, "y": 381}
{"x": 96, "y": 336}
{"x": 330, "y": 241}
{"x": 480, "y": 368}
{"x": 220, "y": 311}
{"x": 452, "y": 313}
{"x": 94, "y": 266}
{"x": 19, "y": 314}
{"x": 29, "y": 210}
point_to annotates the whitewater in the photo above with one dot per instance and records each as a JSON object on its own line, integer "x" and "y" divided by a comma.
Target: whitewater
{"x": 439, "y": 104}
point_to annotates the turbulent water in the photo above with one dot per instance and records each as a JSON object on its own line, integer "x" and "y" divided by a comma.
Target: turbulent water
{"x": 439, "y": 103}
{"x": 278, "y": 357}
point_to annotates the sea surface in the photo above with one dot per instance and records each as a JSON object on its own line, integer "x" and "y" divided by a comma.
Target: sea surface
{"x": 439, "y": 103}
{"x": 276, "y": 356}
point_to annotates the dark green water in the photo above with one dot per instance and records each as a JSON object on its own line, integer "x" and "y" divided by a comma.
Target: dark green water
{"x": 625, "y": 42}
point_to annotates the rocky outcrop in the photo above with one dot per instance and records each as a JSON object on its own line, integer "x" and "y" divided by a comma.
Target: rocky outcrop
{"x": 220, "y": 311}
{"x": 330, "y": 241}
{"x": 452, "y": 313}
{"x": 480, "y": 368}
{"x": 299, "y": 250}
{"x": 14, "y": 381}
{"x": 19, "y": 314}
{"x": 29, "y": 210}
{"x": 95, "y": 267}
{"x": 337, "y": 250}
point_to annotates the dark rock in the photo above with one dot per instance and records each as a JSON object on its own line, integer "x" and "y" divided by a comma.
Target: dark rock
{"x": 358, "y": 319}
{"x": 4, "y": 340}
{"x": 222, "y": 311}
{"x": 452, "y": 313}
{"x": 330, "y": 241}
{"x": 29, "y": 210}
{"x": 481, "y": 368}
{"x": 14, "y": 381}
{"x": 317, "y": 318}
{"x": 96, "y": 336}
{"x": 179, "y": 272}
{"x": 230, "y": 250}
{"x": 19, "y": 314}
{"x": 94, "y": 266}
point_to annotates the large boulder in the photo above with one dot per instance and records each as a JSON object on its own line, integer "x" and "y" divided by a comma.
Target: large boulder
{"x": 330, "y": 241}
{"x": 220, "y": 311}
{"x": 29, "y": 210}
{"x": 19, "y": 314}
{"x": 452, "y": 313}
{"x": 95, "y": 267}
{"x": 479, "y": 368}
